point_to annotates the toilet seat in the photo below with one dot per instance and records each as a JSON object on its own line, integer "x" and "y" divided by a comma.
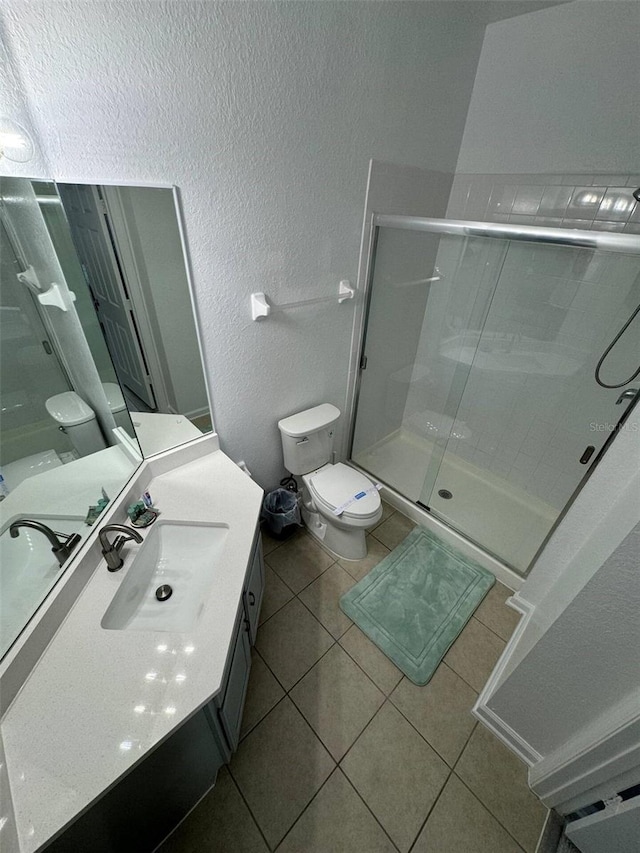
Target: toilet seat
{"x": 334, "y": 485}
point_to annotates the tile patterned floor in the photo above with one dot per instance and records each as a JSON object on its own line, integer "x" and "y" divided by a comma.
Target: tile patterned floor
{"x": 340, "y": 752}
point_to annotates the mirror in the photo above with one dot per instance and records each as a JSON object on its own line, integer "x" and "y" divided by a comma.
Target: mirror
{"x": 98, "y": 344}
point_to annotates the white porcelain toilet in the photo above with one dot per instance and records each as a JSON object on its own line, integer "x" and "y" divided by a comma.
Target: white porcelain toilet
{"x": 78, "y": 421}
{"x": 118, "y": 407}
{"x": 338, "y": 502}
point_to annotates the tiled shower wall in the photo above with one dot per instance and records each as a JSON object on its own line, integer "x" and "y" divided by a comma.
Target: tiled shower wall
{"x": 599, "y": 202}
{"x": 530, "y": 429}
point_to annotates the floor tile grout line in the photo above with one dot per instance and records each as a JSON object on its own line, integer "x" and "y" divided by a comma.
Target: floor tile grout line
{"x": 260, "y": 624}
{"x": 430, "y": 812}
{"x": 488, "y": 627}
{"x": 337, "y": 642}
{"x": 313, "y": 732}
{"x": 337, "y": 639}
{"x": 244, "y": 800}
{"x": 488, "y": 810}
{"x": 257, "y": 723}
{"x": 476, "y": 795}
{"x": 338, "y": 760}
{"x": 500, "y": 637}
{"x": 386, "y": 699}
{"x": 255, "y": 726}
{"x": 368, "y": 807}
{"x": 429, "y": 744}
{"x": 267, "y": 563}
{"x": 306, "y": 585}
{"x": 357, "y": 663}
{"x": 462, "y": 751}
{"x": 283, "y": 839}
{"x": 288, "y": 690}
{"x": 475, "y": 690}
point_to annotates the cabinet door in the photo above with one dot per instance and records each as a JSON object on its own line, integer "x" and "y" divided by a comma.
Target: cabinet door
{"x": 231, "y": 707}
{"x": 254, "y": 589}
{"x": 149, "y": 802}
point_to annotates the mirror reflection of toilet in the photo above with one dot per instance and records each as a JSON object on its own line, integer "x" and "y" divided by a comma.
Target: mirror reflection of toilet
{"x": 78, "y": 421}
{"x": 307, "y": 445}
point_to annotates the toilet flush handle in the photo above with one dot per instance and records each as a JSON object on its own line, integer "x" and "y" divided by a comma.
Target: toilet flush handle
{"x": 302, "y": 441}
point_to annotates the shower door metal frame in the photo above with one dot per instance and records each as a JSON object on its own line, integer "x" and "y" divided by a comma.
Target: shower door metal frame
{"x": 576, "y": 238}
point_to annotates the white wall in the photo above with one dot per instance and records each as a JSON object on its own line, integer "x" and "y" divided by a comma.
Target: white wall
{"x": 265, "y": 115}
{"x": 557, "y": 91}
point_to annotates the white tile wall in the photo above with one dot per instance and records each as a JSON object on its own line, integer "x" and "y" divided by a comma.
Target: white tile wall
{"x": 603, "y": 202}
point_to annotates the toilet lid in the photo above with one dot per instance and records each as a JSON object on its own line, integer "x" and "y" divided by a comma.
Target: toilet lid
{"x": 337, "y": 484}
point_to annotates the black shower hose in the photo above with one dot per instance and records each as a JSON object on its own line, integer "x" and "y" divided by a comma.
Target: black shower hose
{"x": 608, "y": 350}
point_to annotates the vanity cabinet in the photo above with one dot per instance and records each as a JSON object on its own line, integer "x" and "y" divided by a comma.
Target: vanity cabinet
{"x": 145, "y": 806}
{"x": 229, "y": 703}
{"x": 254, "y": 588}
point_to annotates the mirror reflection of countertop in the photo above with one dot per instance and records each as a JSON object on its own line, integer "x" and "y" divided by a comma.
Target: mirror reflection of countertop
{"x": 157, "y": 432}
{"x": 98, "y": 700}
{"x": 69, "y": 489}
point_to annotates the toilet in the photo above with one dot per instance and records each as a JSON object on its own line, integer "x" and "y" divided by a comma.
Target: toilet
{"x": 118, "y": 407}
{"x": 338, "y": 502}
{"x": 75, "y": 418}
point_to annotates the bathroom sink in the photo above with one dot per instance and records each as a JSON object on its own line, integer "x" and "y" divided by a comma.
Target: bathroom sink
{"x": 28, "y": 556}
{"x": 28, "y": 570}
{"x": 185, "y": 556}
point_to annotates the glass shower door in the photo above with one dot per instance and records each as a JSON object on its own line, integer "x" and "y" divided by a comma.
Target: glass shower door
{"x": 534, "y": 414}
{"x": 429, "y": 295}
{"x": 477, "y": 398}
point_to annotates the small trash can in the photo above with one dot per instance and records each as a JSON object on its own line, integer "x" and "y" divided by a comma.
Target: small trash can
{"x": 281, "y": 512}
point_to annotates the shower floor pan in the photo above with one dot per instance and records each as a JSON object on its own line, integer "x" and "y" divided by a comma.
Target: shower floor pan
{"x": 497, "y": 515}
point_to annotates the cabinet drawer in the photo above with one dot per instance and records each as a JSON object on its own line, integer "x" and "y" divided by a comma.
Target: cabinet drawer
{"x": 254, "y": 590}
{"x": 231, "y": 707}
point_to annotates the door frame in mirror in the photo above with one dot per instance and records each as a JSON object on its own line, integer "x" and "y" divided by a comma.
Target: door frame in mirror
{"x": 186, "y": 257}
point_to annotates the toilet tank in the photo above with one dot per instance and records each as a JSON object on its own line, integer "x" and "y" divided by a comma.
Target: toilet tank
{"x": 307, "y": 438}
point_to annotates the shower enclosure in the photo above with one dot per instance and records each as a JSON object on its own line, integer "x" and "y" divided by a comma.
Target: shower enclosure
{"x": 476, "y": 396}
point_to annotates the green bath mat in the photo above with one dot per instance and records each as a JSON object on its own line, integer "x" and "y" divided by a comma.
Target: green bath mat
{"x": 416, "y": 601}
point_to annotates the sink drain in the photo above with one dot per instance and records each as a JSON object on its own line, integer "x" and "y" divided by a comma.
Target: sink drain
{"x": 446, "y": 494}
{"x": 163, "y": 592}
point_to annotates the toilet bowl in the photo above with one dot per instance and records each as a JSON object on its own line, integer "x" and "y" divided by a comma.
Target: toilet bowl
{"x": 339, "y": 503}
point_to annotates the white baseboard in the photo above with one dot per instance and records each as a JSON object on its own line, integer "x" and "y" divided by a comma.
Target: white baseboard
{"x": 600, "y": 760}
{"x": 481, "y": 710}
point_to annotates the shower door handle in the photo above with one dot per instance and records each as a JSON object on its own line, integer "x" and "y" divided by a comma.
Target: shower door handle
{"x": 588, "y": 453}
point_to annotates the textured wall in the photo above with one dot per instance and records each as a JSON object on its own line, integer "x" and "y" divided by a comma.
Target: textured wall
{"x": 265, "y": 115}
{"x": 589, "y": 655}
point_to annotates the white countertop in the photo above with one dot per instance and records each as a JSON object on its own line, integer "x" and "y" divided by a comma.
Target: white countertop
{"x": 69, "y": 489}
{"x": 98, "y": 699}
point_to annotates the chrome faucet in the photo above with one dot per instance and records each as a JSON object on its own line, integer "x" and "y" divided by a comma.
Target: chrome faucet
{"x": 111, "y": 550}
{"x": 62, "y": 544}
{"x": 629, "y": 394}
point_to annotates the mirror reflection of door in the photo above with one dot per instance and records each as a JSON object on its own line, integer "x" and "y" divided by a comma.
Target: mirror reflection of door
{"x": 129, "y": 245}
{"x": 93, "y": 237}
